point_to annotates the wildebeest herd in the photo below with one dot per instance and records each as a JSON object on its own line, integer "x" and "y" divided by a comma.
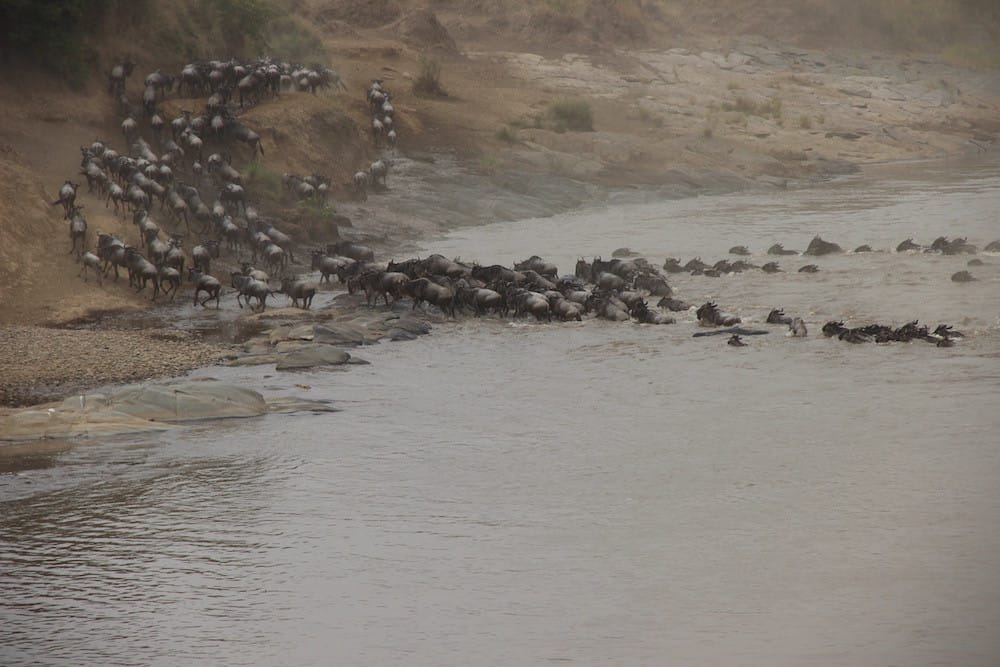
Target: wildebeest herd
{"x": 185, "y": 165}
{"x": 618, "y": 290}
{"x": 183, "y": 180}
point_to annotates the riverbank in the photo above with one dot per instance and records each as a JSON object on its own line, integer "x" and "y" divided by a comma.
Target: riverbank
{"x": 708, "y": 115}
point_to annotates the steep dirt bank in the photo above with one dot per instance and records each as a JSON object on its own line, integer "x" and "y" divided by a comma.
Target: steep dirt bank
{"x": 673, "y": 105}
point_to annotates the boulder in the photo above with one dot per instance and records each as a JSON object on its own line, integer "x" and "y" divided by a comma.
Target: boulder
{"x": 312, "y": 357}
{"x": 188, "y": 401}
{"x": 341, "y": 334}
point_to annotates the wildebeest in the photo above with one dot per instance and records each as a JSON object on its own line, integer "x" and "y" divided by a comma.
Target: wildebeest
{"x": 778, "y": 249}
{"x": 953, "y": 247}
{"x": 641, "y": 312}
{"x": 539, "y": 265}
{"x": 709, "y": 315}
{"x": 377, "y": 283}
{"x": 379, "y": 171}
{"x": 818, "y": 247}
{"x": 328, "y": 266}
{"x": 423, "y": 290}
{"x": 777, "y": 316}
{"x": 77, "y": 230}
{"x": 67, "y": 196}
{"x": 297, "y": 289}
{"x": 90, "y": 262}
{"x": 117, "y": 77}
{"x": 207, "y": 284}
{"x": 249, "y": 288}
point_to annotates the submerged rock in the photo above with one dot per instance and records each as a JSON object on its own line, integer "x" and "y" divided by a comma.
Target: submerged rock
{"x": 962, "y": 277}
{"x": 188, "y": 401}
{"x": 311, "y": 357}
{"x": 132, "y": 410}
{"x": 341, "y": 334}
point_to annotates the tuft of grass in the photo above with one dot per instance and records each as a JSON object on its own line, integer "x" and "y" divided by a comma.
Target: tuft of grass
{"x": 708, "y": 131}
{"x": 507, "y": 134}
{"x": 318, "y": 220}
{"x": 264, "y": 182}
{"x": 489, "y": 163}
{"x": 771, "y": 107}
{"x": 428, "y": 82}
{"x": 572, "y": 115}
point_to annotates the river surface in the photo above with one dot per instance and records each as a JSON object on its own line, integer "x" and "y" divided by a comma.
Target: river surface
{"x": 582, "y": 493}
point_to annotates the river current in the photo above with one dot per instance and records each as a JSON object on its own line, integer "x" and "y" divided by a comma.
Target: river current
{"x": 588, "y": 493}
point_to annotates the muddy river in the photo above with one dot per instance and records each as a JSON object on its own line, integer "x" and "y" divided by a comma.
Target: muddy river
{"x": 585, "y": 493}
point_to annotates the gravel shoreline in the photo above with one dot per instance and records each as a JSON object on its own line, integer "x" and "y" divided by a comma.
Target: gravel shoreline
{"x": 40, "y": 364}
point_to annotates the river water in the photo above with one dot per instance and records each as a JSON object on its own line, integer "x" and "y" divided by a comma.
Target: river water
{"x": 588, "y": 493}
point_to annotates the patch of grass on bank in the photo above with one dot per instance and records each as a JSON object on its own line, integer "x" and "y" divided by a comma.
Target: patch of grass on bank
{"x": 317, "y": 220}
{"x": 428, "y": 82}
{"x": 965, "y": 55}
{"x": 574, "y": 115}
{"x": 489, "y": 163}
{"x": 508, "y": 135}
{"x": 264, "y": 182}
{"x": 647, "y": 116}
{"x": 767, "y": 108}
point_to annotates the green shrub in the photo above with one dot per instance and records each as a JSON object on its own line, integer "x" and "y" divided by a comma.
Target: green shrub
{"x": 572, "y": 115}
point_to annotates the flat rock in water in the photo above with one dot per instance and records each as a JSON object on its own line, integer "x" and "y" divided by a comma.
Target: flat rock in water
{"x": 254, "y": 360}
{"x": 188, "y": 401}
{"x": 412, "y": 324}
{"x": 341, "y": 334}
{"x": 291, "y": 332}
{"x": 396, "y": 335}
{"x": 318, "y": 355}
{"x": 71, "y": 422}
